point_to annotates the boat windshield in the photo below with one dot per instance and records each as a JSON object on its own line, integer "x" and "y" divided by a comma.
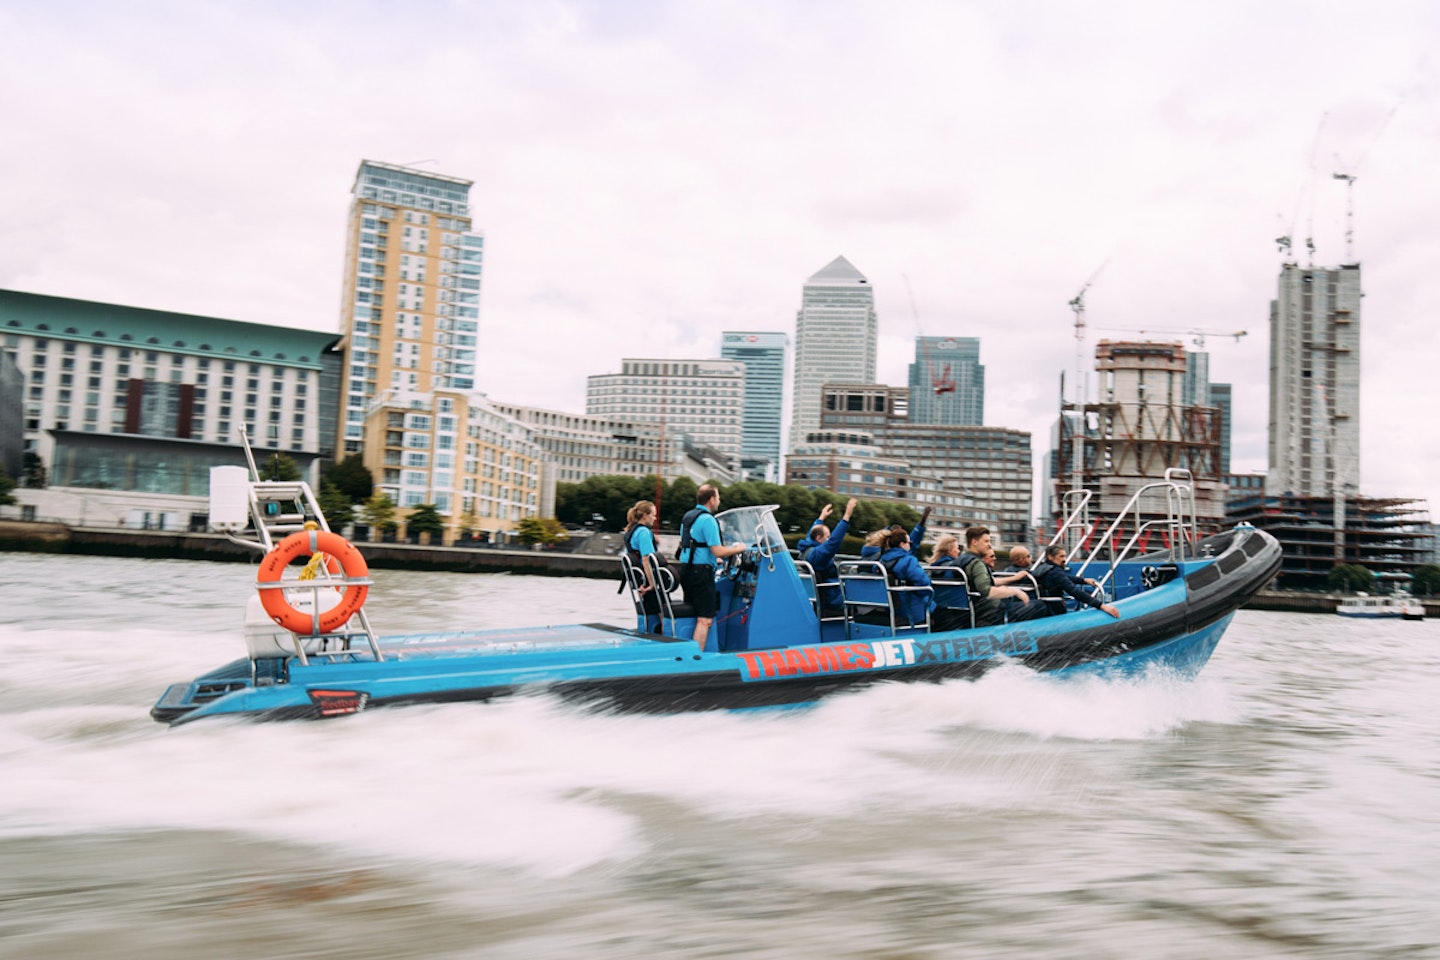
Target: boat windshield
{"x": 752, "y": 526}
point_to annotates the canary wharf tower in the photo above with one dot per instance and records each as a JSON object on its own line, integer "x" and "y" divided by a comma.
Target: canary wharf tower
{"x": 835, "y": 334}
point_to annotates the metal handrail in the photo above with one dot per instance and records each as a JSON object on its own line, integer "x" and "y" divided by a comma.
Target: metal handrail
{"x": 1078, "y": 519}
{"x": 1177, "y": 485}
{"x": 299, "y": 493}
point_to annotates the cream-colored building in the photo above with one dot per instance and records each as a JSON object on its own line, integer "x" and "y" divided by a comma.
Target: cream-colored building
{"x": 410, "y": 307}
{"x": 480, "y": 468}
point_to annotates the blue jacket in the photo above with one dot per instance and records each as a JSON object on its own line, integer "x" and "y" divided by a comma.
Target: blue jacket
{"x": 821, "y": 556}
{"x": 917, "y": 537}
{"x": 905, "y": 569}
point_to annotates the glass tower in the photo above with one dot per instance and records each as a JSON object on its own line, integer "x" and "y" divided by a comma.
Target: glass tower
{"x": 947, "y": 382}
{"x": 764, "y": 357}
{"x": 835, "y": 333}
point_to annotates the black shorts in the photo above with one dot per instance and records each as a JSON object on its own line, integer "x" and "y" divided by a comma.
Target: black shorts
{"x": 698, "y": 583}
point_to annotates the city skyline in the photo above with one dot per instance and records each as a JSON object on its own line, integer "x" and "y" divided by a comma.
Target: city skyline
{"x": 636, "y": 199}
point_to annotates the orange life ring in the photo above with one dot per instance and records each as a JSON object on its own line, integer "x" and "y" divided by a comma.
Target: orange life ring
{"x": 308, "y": 543}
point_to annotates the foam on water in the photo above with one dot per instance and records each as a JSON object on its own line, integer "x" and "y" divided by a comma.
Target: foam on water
{"x": 528, "y": 782}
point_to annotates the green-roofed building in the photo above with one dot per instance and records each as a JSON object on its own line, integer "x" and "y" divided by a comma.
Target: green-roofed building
{"x": 143, "y": 402}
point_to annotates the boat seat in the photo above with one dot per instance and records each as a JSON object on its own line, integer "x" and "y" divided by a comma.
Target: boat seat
{"x": 953, "y": 609}
{"x": 812, "y": 588}
{"x": 870, "y": 599}
{"x": 670, "y": 611}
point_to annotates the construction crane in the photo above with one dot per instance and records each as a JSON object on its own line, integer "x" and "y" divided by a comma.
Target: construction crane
{"x": 942, "y": 382}
{"x": 1077, "y": 307}
{"x": 1197, "y": 336}
{"x": 1349, "y": 177}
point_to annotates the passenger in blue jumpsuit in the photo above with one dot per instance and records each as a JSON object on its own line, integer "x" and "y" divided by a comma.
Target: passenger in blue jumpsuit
{"x": 917, "y": 536}
{"x": 905, "y": 569}
{"x": 819, "y": 551}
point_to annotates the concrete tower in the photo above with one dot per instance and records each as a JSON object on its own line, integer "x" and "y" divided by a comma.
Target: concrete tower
{"x": 1315, "y": 382}
{"x": 835, "y": 333}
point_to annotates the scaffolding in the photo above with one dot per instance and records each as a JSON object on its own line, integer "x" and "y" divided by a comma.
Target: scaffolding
{"x": 1139, "y": 429}
{"x": 1389, "y": 536}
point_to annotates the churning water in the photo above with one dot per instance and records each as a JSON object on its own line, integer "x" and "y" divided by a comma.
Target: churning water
{"x": 1286, "y": 804}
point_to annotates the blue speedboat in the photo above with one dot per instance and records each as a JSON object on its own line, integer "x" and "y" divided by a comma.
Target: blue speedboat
{"x": 311, "y": 651}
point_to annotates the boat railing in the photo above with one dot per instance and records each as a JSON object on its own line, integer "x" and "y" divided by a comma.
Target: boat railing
{"x": 1178, "y": 523}
{"x": 1077, "y": 522}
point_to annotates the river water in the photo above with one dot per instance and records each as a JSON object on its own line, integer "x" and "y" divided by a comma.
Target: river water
{"x": 1285, "y": 804}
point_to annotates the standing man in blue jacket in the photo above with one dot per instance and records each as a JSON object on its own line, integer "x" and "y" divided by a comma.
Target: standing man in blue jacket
{"x": 700, "y": 547}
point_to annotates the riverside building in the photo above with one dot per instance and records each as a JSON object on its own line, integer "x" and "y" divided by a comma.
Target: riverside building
{"x": 578, "y": 446}
{"x": 835, "y": 334}
{"x": 478, "y": 466}
{"x": 410, "y": 304}
{"x": 703, "y": 399}
{"x": 968, "y": 474}
{"x": 126, "y": 409}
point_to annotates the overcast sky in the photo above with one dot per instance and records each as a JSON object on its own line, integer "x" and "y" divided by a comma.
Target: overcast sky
{"x": 649, "y": 173}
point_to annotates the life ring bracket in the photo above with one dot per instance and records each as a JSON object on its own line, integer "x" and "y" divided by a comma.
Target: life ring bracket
{"x": 353, "y": 586}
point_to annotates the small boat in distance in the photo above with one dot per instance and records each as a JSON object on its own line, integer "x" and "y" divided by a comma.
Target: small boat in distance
{"x": 311, "y": 652}
{"x": 1390, "y": 605}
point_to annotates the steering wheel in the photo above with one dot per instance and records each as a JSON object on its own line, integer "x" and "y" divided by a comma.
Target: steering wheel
{"x": 750, "y": 559}
{"x": 736, "y": 563}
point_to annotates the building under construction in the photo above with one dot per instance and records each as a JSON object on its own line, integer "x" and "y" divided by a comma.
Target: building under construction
{"x": 1390, "y": 537}
{"x": 1140, "y": 426}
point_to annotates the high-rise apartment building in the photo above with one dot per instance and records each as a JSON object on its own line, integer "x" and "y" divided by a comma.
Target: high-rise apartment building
{"x": 411, "y": 302}
{"x": 703, "y": 399}
{"x": 835, "y": 334}
{"x": 947, "y": 382}
{"x": 763, "y": 354}
{"x": 1315, "y": 382}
